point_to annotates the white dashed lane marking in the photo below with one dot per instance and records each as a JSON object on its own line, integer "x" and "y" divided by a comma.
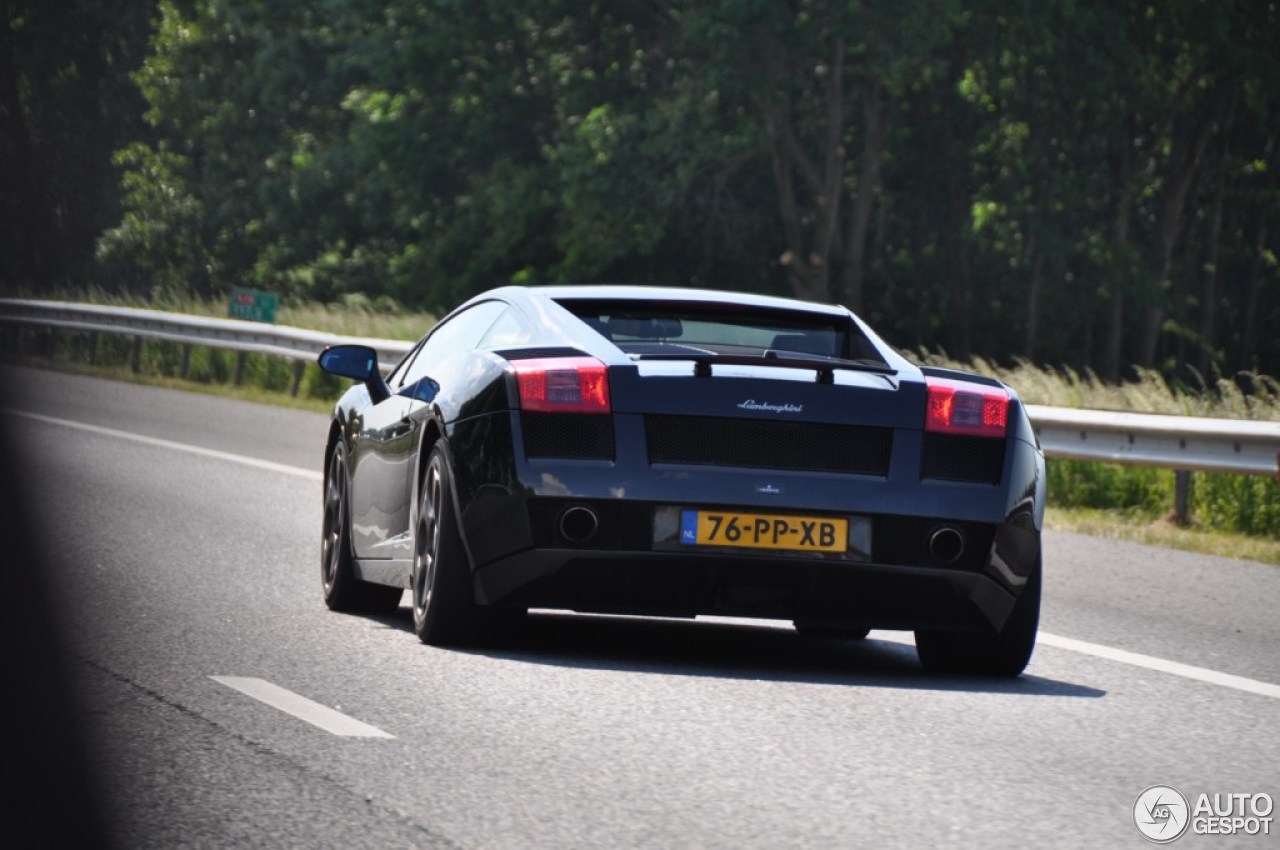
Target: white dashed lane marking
{"x": 1150, "y": 662}
{"x": 302, "y": 708}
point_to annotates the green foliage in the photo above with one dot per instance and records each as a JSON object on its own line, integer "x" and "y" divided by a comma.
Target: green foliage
{"x": 1249, "y": 505}
{"x": 1240, "y": 504}
{"x": 156, "y": 242}
{"x": 1086, "y": 185}
{"x": 66, "y": 104}
{"x": 1139, "y": 489}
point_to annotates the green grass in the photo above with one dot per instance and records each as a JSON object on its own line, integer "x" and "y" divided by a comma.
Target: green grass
{"x": 1233, "y": 515}
{"x": 1239, "y": 504}
{"x": 1138, "y": 527}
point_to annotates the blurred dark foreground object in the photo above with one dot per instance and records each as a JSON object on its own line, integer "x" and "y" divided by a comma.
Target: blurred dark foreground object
{"x": 49, "y": 796}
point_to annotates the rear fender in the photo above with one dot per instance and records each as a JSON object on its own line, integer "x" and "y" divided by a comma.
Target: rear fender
{"x": 433, "y": 434}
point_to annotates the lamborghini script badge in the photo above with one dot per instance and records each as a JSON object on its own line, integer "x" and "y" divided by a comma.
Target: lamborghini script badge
{"x": 752, "y": 404}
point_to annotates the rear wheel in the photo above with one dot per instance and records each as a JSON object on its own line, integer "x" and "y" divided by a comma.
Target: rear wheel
{"x": 343, "y": 590}
{"x": 1003, "y": 653}
{"x": 444, "y": 608}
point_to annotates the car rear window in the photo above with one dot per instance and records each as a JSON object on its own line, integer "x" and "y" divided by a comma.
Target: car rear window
{"x": 656, "y": 327}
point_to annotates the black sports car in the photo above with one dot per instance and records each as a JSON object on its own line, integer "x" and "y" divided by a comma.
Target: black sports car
{"x": 678, "y": 452}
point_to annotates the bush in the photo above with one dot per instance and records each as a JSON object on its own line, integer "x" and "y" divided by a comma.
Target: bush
{"x": 1242, "y": 504}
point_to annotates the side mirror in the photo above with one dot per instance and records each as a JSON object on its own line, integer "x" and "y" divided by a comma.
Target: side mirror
{"x": 357, "y": 362}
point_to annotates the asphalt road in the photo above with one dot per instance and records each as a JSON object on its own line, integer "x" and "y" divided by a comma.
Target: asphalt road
{"x": 182, "y": 532}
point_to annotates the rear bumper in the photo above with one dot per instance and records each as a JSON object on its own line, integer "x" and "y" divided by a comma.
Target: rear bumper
{"x": 512, "y": 511}
{"x": 671, "y": 584}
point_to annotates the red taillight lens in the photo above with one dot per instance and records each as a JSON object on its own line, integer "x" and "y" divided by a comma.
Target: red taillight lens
{"x": 563, "y": 385}
{"x": 959, "y": 407}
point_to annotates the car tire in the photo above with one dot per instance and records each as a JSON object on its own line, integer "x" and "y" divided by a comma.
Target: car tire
{"x": 829, "y": 632}
{"x": 1002, "y": 653}
{"x": 343, "y": 590}
{"x": 445, "y": 612}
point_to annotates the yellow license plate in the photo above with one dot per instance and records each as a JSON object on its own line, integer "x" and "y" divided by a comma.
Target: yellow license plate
{"x": 764, "y": 531}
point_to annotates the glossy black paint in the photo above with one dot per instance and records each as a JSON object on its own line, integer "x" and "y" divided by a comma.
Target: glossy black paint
{"x": 509, "y": 503}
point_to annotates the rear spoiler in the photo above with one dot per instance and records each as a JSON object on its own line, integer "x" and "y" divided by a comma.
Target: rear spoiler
{"x": 825, "y": 367}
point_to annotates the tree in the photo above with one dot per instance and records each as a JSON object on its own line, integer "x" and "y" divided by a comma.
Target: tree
{"x": 66, "y": 104}
{"x": 1070, "y": 182}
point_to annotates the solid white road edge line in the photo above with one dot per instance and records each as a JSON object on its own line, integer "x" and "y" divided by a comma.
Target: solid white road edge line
{"x": 302, "y": 708}
{"x": 1136, "y": 659}
{"x": 268, "y": 465}
{"x": 1150, "y": 662}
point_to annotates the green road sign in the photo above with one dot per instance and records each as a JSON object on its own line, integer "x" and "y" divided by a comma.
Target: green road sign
{"x": 253, "y": 304}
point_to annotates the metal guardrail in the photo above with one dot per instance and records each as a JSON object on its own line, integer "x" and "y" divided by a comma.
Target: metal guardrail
{"x": 233, "y": 334}
{"x": 1181, "y": 443}
{"x": 1191, "y": 443}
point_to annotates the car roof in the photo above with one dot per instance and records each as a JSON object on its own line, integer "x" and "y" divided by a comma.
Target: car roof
{"x": 551, "y": 323}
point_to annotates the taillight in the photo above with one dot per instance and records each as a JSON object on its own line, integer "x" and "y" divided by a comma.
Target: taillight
{"x": 563, "y": 385}
{"x": 959, "y": 407}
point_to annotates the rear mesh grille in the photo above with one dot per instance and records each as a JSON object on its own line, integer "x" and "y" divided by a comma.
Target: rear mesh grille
{"x": 961, "y": 458}
{"x": 762, "y": 444}
{"x": 568, "y": 435}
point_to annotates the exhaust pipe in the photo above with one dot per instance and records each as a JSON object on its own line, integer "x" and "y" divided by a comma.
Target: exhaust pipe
{"x": 578, "y": 524}
{"x": 946, "y": 544}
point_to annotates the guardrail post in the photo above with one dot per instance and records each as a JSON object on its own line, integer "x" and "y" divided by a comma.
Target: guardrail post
{"x": 1182, "y": 497}
{"x": 135, "y": 359}
{"x": 240, "y": 357}
{"x": 299, "y": 366}
{"x": 93, "y": 348}
{"x": 185, "y": 369}
{"x": 51, "y": 346}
